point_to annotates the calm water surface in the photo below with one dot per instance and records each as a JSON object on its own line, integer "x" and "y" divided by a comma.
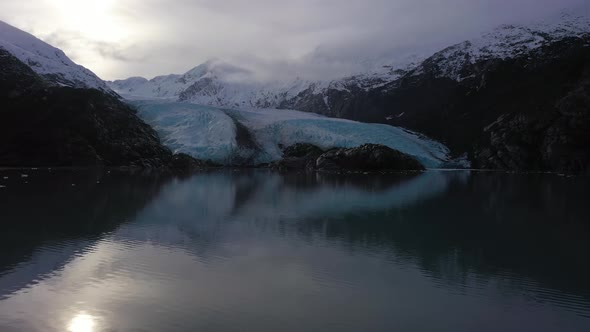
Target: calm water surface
{"x": 262, "y": 251}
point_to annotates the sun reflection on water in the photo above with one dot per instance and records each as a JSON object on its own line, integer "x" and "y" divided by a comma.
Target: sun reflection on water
{"x": 82, "y": 323}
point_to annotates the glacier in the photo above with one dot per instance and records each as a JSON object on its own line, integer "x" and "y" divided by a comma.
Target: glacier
{"x": 256, "y": 136}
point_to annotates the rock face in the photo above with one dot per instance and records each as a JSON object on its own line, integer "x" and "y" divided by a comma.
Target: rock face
{"x": 368, "y": 157}
{"x": 182, "y": 162}
{"x": 43, "y": 125}
{"x": 528, "y": 112}
{"x": 558, "y": 139}
{"x": 299, "y": 156}
{"x": 302, "y": 150}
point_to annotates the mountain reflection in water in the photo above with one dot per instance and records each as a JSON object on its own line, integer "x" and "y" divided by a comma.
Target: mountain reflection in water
{"x": 264, "y": 251}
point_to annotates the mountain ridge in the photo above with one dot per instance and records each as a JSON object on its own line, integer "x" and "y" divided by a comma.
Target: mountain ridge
{"x": 326, "y": 96}
{"x": 47, "y": 61}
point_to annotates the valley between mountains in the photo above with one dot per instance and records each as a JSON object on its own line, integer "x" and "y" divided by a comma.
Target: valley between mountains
{"x": 516, "y": 98}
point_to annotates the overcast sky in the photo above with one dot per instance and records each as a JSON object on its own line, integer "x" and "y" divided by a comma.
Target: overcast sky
{"x": 121, "y": 38}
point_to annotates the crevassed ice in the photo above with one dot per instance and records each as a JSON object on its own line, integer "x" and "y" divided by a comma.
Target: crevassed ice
{"x": 209, "y": 133}
{"x": 202, "y": 132}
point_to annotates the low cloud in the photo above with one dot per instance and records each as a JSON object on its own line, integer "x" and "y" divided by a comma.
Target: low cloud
{"x": 306, "y": 38}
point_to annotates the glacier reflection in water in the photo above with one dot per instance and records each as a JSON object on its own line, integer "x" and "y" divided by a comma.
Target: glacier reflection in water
{"x": 262, "y": 251}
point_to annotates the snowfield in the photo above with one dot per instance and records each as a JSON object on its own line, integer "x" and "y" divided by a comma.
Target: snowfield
{"x": 210, "y": 133}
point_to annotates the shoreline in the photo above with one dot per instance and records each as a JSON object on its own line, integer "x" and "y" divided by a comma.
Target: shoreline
{"x": 136, "y": 170}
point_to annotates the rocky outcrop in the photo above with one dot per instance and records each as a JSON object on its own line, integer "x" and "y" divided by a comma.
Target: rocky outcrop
{"x": 299, "y": 156}
{"x": 368, "y": 157}
{"x": 43, "y": 125}
{"x": 182, "y": 162}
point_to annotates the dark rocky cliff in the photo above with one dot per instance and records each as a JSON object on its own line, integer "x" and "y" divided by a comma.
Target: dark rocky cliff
{"x": 528, "y": 112}
{"x": 42, "y": 125}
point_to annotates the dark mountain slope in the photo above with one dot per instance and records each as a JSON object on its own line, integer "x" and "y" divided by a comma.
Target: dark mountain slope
{"x": 43, "y": 125}
{"x": 539, "y": 94}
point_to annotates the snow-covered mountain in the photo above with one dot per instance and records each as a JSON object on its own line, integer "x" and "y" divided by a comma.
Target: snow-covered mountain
{"x": 214, "y": 83}
{"x": 217, "y": 83}
{"x": 47, "y": 61}
{"x": 505, "y": 42}
{"x": 515, "y": 98}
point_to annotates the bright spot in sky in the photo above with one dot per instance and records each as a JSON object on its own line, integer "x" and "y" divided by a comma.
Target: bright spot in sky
{"x": 82, "y": 323}
{"x": 94, "y": 19}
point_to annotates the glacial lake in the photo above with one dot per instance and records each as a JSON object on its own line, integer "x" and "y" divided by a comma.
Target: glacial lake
{"x": 255, "y": 250}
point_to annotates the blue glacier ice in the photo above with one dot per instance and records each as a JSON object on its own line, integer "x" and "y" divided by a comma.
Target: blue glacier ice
{"x": 209, "y": 133}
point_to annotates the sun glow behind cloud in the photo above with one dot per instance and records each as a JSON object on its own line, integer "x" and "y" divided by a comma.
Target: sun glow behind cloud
{"x": 95, "y": 33}
{"x": 122, "y": 38}
{"x": 92, "y": 18}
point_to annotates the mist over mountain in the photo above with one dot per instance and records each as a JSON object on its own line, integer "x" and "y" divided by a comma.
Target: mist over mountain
{"x": 222, "y": 83}
{"x": 275, "y": 39}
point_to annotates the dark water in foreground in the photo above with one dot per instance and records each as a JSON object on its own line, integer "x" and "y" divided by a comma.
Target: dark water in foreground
{"x": 260, "y": 251}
